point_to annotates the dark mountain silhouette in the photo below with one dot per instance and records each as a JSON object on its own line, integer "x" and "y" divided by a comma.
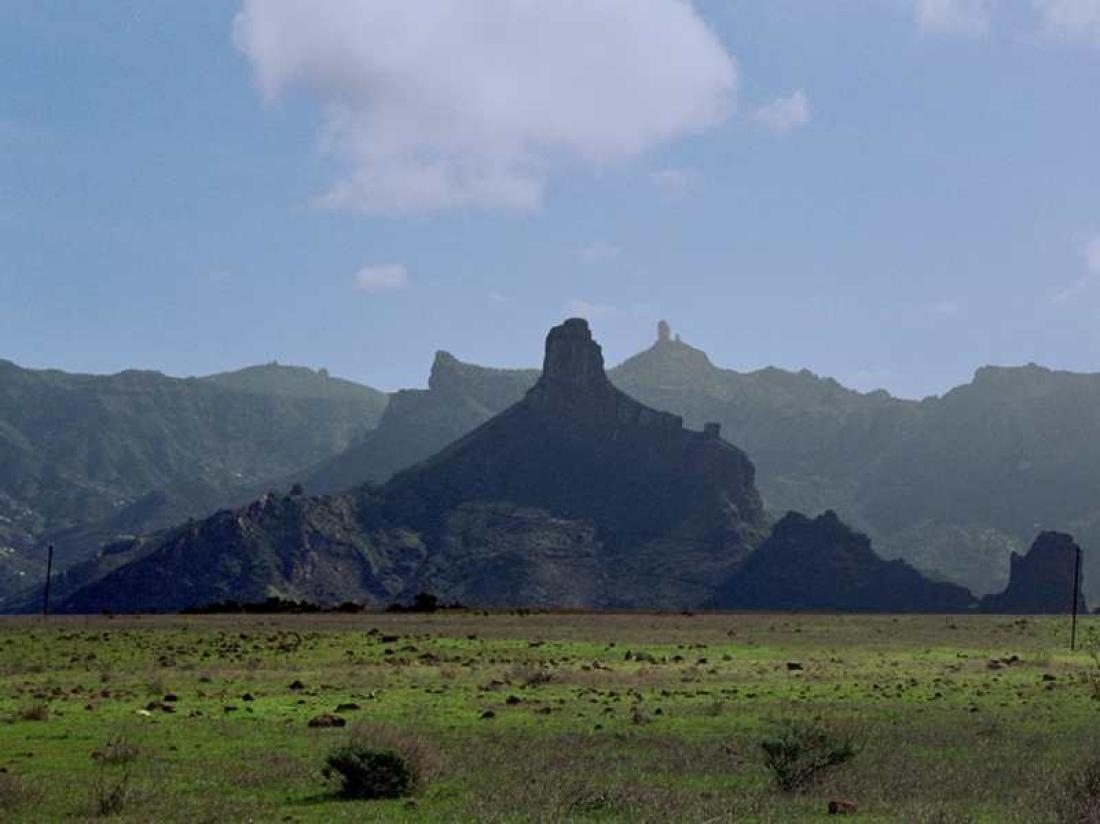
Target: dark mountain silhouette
{"x": 822, "y": 564}
{"x": 578, "y": 495}
{"x": 79, "y": 450}
{"x": 952, "y": 484}
{"x": 1042, "y": 581}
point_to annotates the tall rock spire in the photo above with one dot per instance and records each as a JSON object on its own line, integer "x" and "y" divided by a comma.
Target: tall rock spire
{"x": 573, "y": 359}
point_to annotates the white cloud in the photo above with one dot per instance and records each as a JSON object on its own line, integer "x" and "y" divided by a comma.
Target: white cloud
{"x": 1092, "y": 255}
{"x": 439, "y": 104}
{"x": 1074, "y": 290}
{"x": 784, "y": 114}
{"x": 672, "y": 181}
{"x": 1087, "y": 283}
{"x": 598, "y": 252}
{"x": 382, "y": 277}
{"x": 604, "y": 311}
{"x": 969, "y": 18}
{"x": 591, "y": 311}
{"x": 1071, "y": 19}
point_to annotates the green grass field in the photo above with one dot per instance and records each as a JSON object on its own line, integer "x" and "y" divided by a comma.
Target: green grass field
{"x": 618, "y": 717}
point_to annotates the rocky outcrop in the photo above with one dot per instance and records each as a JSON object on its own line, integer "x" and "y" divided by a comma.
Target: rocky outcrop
{"x": 578, "y": 495}
{"x": 673, "y": 509}
{"x": 419, "y": 422}
{"x": 1042, "y": 581}
{"x": 821, "y": 564}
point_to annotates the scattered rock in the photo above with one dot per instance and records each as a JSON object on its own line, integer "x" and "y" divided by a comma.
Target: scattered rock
{"x": 843, "y": 807}
{"x": 327, "y": 720}
{"x": 793, "y": 666}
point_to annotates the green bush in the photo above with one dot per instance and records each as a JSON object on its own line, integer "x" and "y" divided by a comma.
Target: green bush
{"x": 801, "y": 752}
{"x": 371, "y": 773}
{"x": 381, "y": 761}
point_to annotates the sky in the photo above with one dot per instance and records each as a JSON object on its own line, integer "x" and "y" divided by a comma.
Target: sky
{"x": 889, "y": 192}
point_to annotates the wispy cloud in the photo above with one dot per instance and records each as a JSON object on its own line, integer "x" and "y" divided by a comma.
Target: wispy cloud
{"x": 673, "y": 181}
{"x": 1086, "y": 283}
{"x": 965, "y": 18}
{"x": 453, "y": 104}
{"x": 1092, "y": 255}
{"x": 381, "y": 277}
{"x": 1071, "y": 19}
{"x": 599, "y": 252}
{"x": 604, "y": 311}
{"x": 784, "y": 114}
{"x": 591, "y": 311}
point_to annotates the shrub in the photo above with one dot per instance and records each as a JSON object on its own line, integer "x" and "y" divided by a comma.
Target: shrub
{"x": 16, "y": 793}
{"x": 1080, "y": 798}
{"x": 801, "y": 752}
{"x": 366, "y": 772}
{"x": 111, "y": 796}
{"x": 34, "y": 712}
{"x": 382, "y": 762}
{"x": 117, "y": 751}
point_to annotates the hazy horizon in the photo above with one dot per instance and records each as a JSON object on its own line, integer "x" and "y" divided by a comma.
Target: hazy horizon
{"x": 889, "y": 194}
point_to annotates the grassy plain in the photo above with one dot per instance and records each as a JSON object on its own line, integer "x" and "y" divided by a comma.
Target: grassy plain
{"x": 543, "y": 717}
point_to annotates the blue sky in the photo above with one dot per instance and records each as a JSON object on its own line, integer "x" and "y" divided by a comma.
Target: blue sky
{"x": 890, "y": 192}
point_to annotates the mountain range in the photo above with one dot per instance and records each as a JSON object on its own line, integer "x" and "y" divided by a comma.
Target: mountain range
{"x": 84, "y": 458}
{"x": 952, "y": 484}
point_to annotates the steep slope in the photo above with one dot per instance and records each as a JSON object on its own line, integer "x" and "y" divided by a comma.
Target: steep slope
{"x": 77, "y": 450}
{"x": 1042, "y": 581}
{"x": 420, "y": 422}
{"x": 673, "y": 507}
{"x": 1015, "y": 451}
{"x": 821, "y": 564}
{"x": 810, "y": 437}
{"x": 578, "y": 495}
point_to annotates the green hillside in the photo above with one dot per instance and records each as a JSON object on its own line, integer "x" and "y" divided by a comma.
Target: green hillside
{"x": 145, "y": 450}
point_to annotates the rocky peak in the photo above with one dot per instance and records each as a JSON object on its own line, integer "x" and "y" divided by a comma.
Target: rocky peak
{"x": 1041, "y": 581}
{"x": 573, "y": 359}
{"x": 664, "y": 331}
{"x": 445, "y": 369}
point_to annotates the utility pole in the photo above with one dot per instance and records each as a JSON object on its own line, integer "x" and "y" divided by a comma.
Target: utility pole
{"x": 1076, "y": 590}
{"x": 49, "y": 572}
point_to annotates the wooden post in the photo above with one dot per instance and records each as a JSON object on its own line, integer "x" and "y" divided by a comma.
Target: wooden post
{"x": 1076, "y": 590}
{"x": 49, "y": 572}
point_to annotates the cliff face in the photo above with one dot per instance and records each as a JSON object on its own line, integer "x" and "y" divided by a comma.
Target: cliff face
{"x": 1041, "y": 582}
{"x": 821, "y": 564}
{"x": 671, "y": 508}
{"x": 577, "y": 496}
{"x": 419, "y": 422}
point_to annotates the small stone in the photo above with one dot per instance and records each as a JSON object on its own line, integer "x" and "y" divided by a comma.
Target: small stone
{"x": 843, "y": 807}
{"x": 327, "y": 720}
